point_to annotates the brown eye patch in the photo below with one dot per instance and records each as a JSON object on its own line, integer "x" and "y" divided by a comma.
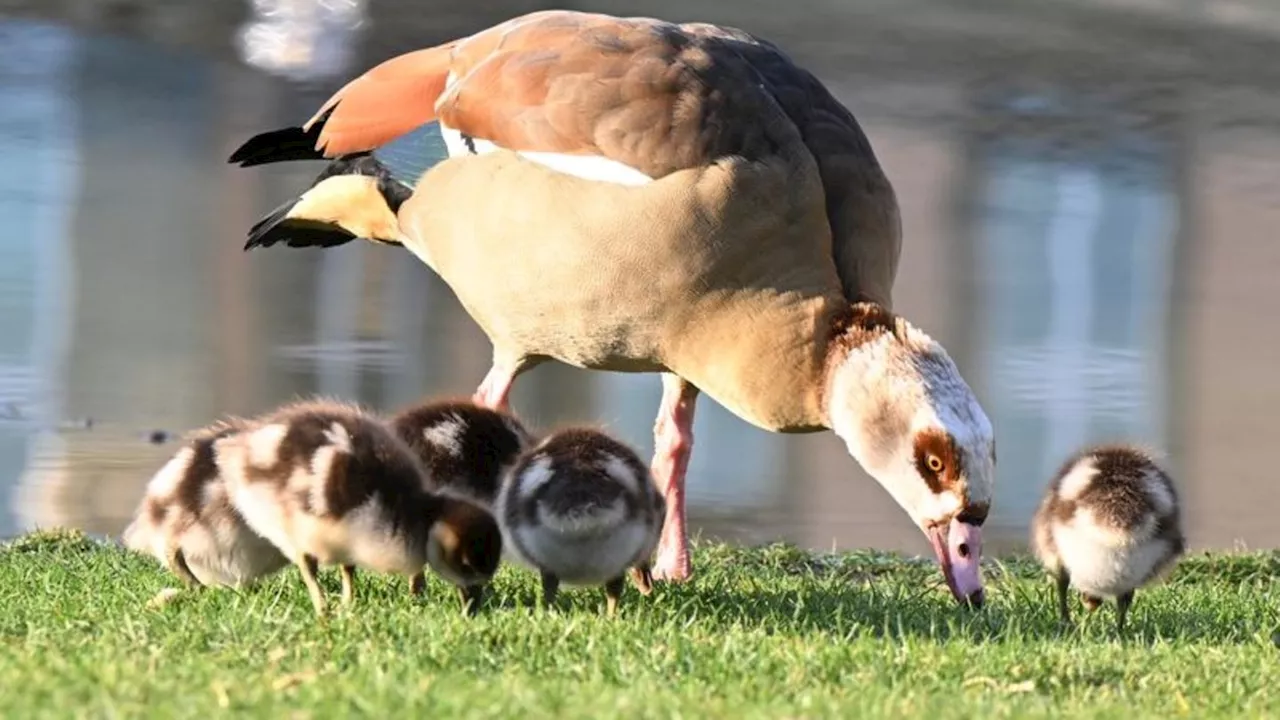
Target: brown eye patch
{"x": 938, "y": 460}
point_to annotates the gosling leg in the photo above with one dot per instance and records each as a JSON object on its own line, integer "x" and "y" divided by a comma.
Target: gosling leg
{"x": 642, "y": 578}
{"x": 417, "y": 584}
{"x": 176, "y": 561}
{"x": 613, "y": 593}
{"x": 308, "y": 566}
{"x": 348, "y": 585}
{"x": 1123, "y": 603}
{"x": 1064, "y": 608}
{"x": 472, "y": 596}
{"x": 550, "y": 586}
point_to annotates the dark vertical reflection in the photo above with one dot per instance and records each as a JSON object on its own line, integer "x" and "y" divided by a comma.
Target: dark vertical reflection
{"x": 39, "y": 143}
{"x": 1075, "y": 241}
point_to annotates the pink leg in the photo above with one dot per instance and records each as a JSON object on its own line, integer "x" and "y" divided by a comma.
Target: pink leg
{"x": 673, "y": 443}
{"x": 495, "y": 389}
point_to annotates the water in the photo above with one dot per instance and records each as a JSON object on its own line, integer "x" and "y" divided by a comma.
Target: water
{"x": 1088, "y": 192}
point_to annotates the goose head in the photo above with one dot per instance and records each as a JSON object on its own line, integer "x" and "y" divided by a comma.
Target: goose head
{"x": 907, "y": 416}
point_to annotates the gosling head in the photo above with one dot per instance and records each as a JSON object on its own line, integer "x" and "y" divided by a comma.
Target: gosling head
{"x": 464, "y": 546}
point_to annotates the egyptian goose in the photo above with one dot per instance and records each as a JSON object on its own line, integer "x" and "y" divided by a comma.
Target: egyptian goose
{"x": 186, "y": 519}
{"x": 676, "y": 199}
{"x": 1109, "y": 523}
{"x": 465, "y": 447}
{"x": 329, "y": 484}
{"x": 581, "y": 508}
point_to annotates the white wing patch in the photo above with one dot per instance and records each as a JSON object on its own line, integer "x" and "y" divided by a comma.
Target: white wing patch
{"x": 1078, "y": 479}
{"x": 264, "y": 445}
{"x": 622, "y": 473}
{"x": 338, "y": 437}
{"x": 446, "y": 435}
{"x": 165, "y": 482}
{"x": 535, "y": 475}
{"x": 589, "y": 167}
{"x": 1159, "y": 493}
{"x": 322, "y": 464}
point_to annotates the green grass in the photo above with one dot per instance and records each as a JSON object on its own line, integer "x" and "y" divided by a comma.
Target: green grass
{"x": 763, "y": 632}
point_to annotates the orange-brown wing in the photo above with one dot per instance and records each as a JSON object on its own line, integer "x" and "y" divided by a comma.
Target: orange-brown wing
{"x": 400, "y": 94}
{"x": 384, "y": 103}
{"x": 639, "y": 91}
{"x": 661, "y": 97}
{"x": 861, "y": 205}
{"x": 656, "y": 96}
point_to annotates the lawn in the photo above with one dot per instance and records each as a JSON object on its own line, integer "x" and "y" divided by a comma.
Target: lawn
{"x": 762, "y": 632}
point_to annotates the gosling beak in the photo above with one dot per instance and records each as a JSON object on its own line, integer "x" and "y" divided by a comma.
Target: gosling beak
{"x": 958, "y": 546}
{"x": 642, "y": 578}
{"x": 472, "y": 596}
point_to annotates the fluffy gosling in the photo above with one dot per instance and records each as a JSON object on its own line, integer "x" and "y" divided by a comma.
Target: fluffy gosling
{"x": 186, "y": 520}
{"x": 466, "y": 448}
{"x": 1109, "y": 524}
{"x": 330, "y": 484}
{"x": 581, "y": 508}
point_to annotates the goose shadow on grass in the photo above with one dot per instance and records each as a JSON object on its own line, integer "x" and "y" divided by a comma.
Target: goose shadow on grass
{"x": 862, "y": 610}
{"x": 855, "y": 609}
{"x": 784, "y": 590}
{"x": 788, "y": 591}
{"x": 888, "y": 598}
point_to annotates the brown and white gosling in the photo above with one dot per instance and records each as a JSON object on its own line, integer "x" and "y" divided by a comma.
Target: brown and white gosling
{"x": 466, "y": 448}
{"x": 330, "y": 484}
{"x": 187, "y": 521}
{"x": 1109, "y": 523}
{"x": 581, "y": 508}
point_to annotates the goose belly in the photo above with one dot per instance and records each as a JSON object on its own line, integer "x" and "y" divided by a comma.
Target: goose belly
{"x": 605, "y": 275}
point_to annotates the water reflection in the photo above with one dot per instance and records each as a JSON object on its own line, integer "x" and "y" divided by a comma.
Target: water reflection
{"x": 301, "y": 39}
{"x": 1076, "y": 250}
{"x": 1049, "y": 226}
{"x": 38, "y": 140}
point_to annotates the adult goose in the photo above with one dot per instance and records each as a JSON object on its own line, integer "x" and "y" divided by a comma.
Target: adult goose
{"x": 633, "y": 195}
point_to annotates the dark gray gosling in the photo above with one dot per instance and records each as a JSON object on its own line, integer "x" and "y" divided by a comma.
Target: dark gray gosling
{"x": 582, "y": 509}
{"x": 466, "y": 448}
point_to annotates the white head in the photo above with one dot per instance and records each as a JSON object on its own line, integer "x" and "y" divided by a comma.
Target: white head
{"x": 897, "y": 400}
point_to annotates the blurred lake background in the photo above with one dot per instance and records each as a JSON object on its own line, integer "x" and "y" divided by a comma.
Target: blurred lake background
{"x": 1090, "y": 194}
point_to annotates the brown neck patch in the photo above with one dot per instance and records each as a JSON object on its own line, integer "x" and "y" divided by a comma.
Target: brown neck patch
{"x": 860, "y": 323}
{"x": 851, "y": 327}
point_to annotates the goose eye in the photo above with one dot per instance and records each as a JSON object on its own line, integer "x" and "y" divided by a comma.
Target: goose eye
{"x": 935, "y": 463}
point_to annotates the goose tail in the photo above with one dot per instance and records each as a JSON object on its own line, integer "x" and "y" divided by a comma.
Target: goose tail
{"x": 355, "y": 197}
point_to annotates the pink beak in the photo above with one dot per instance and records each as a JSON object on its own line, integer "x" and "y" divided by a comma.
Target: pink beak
{"x": 959, "y": 547}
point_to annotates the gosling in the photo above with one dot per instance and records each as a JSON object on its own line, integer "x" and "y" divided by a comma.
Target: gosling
{"x": 1109, "y": 524}
{"x": 466, "y": 448}
{"x": 581, "y": 508}
{"x": 186, "y": 520}
{"x": 328, "y": 483}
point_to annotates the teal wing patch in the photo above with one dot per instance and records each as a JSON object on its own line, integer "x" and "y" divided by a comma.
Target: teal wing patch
{"x": 412, "y": 154}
